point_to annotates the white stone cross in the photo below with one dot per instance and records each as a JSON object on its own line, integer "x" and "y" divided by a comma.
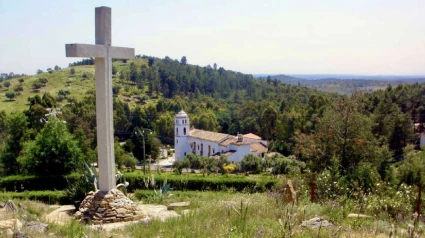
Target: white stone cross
{"x": 103, "y": 53}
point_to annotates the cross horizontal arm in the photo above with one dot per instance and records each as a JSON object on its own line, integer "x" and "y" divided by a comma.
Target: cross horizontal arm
{"x": 98, "y": 51}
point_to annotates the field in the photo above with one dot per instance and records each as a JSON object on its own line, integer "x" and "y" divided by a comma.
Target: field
{"x": 228, "y": 213}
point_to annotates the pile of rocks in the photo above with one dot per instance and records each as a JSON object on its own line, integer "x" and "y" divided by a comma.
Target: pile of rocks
{"x": 108, "y": 207}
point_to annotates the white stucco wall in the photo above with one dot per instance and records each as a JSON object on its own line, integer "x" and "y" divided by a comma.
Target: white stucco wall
{"x": 241, "y": 151}
{"x": 205, "y": 143}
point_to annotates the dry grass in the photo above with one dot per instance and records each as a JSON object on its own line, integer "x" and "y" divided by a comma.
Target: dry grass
{"x": 229, "y": 214}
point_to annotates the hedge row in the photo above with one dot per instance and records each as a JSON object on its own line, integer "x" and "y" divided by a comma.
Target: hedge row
{"x": 49, "y": 197}
{"x": 20, "y": 183}
{"x": 200, "y": 183}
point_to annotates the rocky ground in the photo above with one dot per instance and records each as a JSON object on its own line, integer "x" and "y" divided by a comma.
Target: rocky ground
{"x": 119, "y": 212}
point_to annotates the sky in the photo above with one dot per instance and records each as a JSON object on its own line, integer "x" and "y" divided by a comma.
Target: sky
{"x": 360, "y": 37}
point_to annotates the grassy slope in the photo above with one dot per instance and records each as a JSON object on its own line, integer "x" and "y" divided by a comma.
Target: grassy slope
{"x": 56, "y": 81}
{"x": 78, "y": 86}
{"x": 228, "y": 214}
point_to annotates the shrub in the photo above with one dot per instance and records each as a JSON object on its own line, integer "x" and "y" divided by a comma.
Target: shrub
{"x": 328, "y": 186}
{"x": 130, "y": 161}
{"x": 43, "y": 81}
{"x": 411, "y": 170}
{"x": 229, "y": 168}
{"x": 396, "y": 201}
{"x": 37, "y": 85}
{"x": 10, "y": 95}
{"x": 6, "y": 84}
{"x": 18, "y": 89}
{"x": 49, "y": 197}
{"x": 251, "y": 163}
{"x": 77, "y": 191}
{"x": 195, "y": 182}
{"x": 286, "y": 165}
{"x": 33, "y": 183}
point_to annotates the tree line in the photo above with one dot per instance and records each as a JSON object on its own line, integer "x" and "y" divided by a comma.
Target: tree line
{"x": 323, "y": 130}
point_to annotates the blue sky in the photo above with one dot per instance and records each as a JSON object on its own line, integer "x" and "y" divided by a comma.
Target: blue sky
{"x": 294, "y": 37}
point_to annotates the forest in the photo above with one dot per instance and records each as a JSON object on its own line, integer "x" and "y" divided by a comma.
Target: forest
{"x": 349, "y": 135}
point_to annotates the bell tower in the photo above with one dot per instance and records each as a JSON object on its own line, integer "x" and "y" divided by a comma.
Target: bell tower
{"x": 181, "y": 135}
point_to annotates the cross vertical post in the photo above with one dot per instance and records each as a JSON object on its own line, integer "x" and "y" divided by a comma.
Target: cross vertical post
{"x": 104, "y": 105}
{"x": 103, "y": 53}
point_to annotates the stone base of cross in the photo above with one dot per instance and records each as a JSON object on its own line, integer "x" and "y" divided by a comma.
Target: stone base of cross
{"x": 103, "y": 53}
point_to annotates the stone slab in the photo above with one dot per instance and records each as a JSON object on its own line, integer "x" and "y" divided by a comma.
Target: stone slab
{"x": 13, "y": 224}
{"x": 61, "y": 215}
{"x": 355, "y": 215}
{"x": 158, "y": 212}
{"x": 171, "y": 206}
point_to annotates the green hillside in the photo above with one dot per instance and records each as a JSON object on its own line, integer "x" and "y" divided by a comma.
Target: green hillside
{"x": 61, "y": 79}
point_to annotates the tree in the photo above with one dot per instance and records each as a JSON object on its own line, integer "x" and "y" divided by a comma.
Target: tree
{"x": 411, "y": 169}
{"x": 215, "y": 66}
{"x": 57, "y": 67}
{"x": 39, "y": 71}
{"x": 6, "y": 84}
{"x": 53, "y": 152}
{"x": 18, "y": 89}
{"x": 165, "y": 128}
{"x": 268, "y": 122}
{"x": 37, "y": 85}
{"x": 72, "y": 71}
{"x": 183, "y": 61}
{"x": 21, "y": 81}
{"x": 16, "y": 125}
{"x": 10, "y": 95}
{"x": 43, "y": 81}
{"x": 343, "y": 132}
{"x": 63, "y": 93}
{"x": 114, "y": 70}
{"x": 2, "y": 129}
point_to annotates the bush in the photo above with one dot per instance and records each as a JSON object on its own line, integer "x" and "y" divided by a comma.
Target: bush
{"x": 130, "y": 161}
{"x": 10, "y": 95}
{"x": 43, "y": 81}
{"x": 195, "y": 182}
{"x": 251, "y": 163}
{"x": 286, "y": 165}
{"x": 18, "y": 89}
{"x": 49, "y": 197}
{"x": 77, "y": 191}
{"x": 19, "y": 183}
{"x": 411, "y": 170}
{"x": 6, "y": 84}
{"x": 37, "y": 85}
{"x": 72, "y": 71}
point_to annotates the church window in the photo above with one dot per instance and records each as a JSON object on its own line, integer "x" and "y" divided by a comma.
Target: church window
{"x": 213, "y": 151}
{"x": 177, "y": 121}
{"x": 184, "y": 130}
{"x": 177, "y": 141}
{"x": 177, "y": 131}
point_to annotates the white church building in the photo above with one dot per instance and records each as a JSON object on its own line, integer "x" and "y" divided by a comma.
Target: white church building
{"x": 207, "y": 143}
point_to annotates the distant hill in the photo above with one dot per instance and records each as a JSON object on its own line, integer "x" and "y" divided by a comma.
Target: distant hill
{"x": 345, "y": 85}
{"x": 354, "y": 76}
